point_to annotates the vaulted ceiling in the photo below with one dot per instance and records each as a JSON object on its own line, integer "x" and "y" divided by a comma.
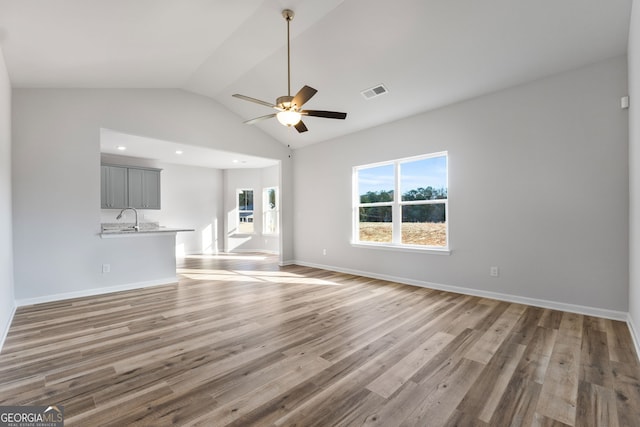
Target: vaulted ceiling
{"x": 428, "y": 53}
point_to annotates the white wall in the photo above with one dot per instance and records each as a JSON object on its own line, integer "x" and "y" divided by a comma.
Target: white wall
{"x": 257, "y": 180}
{"x": 538, "y": 186}
{"x": 634, "y": 172}
{"x": 6, "y": 247}
{"x": 56, "y": 182}
{"x": 191, "y": 197}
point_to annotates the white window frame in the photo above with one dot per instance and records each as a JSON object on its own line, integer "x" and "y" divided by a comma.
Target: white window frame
{"x": 396, "y": 207}
{"x": 267, "y": 210}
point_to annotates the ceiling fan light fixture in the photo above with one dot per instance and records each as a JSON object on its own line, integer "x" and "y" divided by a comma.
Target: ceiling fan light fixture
{"x": 289, "y": 107}
{"x": 289, "y": 118}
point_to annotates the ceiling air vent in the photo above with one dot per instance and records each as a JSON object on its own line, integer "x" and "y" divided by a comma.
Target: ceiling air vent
{"x": 374, "y": 92}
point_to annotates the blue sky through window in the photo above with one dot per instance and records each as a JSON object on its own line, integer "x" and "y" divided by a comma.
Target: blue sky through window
{"x": 423, "y": 173}
{"x": 430, "y": 172}
{"x": 376, "y": 179}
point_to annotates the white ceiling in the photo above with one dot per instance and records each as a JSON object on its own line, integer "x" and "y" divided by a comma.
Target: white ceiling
{"x": 174, "y": 152}
{"x": 428, "y": 53}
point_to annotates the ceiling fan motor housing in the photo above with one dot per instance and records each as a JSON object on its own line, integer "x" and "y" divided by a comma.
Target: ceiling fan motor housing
{"x": 284, "y": 102}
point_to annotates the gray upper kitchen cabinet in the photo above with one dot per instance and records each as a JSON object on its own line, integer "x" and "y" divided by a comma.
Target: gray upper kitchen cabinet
{"x": 114, "y": 187}
{"x": 129, "y": 187}
{"x": 144, "y": 188}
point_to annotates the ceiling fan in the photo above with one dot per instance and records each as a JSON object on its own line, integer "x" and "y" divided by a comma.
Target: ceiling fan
{"x": 290, "y": 107}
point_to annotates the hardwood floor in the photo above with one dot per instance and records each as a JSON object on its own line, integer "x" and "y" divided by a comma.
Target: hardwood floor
{"x": 240, "y": 342}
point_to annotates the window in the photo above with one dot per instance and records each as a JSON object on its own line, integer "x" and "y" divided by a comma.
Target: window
{"x": 245, "y": 211}
{"x": 402, "y": 203}
{"x": 270, "y": 210}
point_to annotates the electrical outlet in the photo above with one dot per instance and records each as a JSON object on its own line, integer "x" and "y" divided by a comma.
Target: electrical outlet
{"x": 106, "y": 268}
{"x": 494, "y": 272}
{"x": 324, "y": 252}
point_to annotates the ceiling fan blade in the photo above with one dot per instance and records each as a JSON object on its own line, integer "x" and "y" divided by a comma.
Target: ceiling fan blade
{"x": 325, "y": 114}
{"x": 257, "y": 101}
{"x": 259, "y": 119}
{"x": 300, "y": 127}
{"x": 303, "y": 96}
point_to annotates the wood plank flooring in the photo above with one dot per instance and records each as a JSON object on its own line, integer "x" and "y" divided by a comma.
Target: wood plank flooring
{"x": 243, "y": 342}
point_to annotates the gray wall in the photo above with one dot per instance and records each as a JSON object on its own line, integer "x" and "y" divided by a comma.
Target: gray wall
{"x": 56, "y": 182}
{"x": 6, "y": 247}
{"x": 538, "y": 185}
{"x": 634, "y": 172}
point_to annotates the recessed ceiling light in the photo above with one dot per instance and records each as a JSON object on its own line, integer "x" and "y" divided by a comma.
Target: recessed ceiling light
{"x": 179, "y": 151}
{"x": 121, "y": 147}
{"x": 236, "y": 161}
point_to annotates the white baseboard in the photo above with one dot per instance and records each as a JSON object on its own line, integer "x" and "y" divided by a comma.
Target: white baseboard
{"x": 554, "y": 305}
{"x": 95, "y": 291}
{"x": 3, "y": 337}
{"x": 635, "y": 334}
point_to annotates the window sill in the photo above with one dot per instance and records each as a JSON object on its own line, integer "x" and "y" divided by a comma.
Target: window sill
{"x": 402, "y": 248}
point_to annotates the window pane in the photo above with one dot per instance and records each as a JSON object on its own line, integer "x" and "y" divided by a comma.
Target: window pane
{"x": 424, "y": 179}
{"x": 245, "y": 200}
{"x": 271, "y": 222}
{"x": 375, "y": 224}
{"x": 245, "y": 211}
{"x": 270, "y": 198}
{"x": 376, "y": 184}
{"x": 270, "y": 210}
{"x": 424, "y": 225}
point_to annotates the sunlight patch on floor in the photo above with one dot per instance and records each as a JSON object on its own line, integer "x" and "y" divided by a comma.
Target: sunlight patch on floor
{"x": 227, "y": 256}
{"x": 223, "y": 277}
{"x": 300, "y": 280}
{"x": 249, "y": 275}
{"x": 282, "y": 277}
{"x": 203, "y": 271}
{"x": 269, "y": 273}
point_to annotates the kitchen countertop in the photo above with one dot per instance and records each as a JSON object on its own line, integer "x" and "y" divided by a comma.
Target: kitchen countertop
{"x": 146, "y": 229}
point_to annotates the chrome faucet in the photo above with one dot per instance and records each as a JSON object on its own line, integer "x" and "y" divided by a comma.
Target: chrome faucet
{"x": 135, "y": 227}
